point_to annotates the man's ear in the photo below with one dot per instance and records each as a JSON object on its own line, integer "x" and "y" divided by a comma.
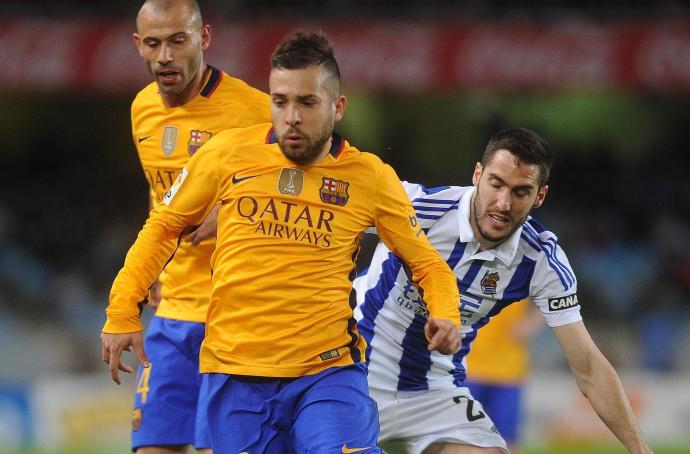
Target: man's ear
{"x": 340, "y": 105}
{"x": 477, "y": 173}
{"x": 541, "y": 195}
{"x": 137, "y": 42}
{"x": 205, "y": 37}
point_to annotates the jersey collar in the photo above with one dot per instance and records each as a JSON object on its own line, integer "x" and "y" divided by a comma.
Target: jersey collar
{"x": 505, "y": 252}
{"x": 212, "y": 83}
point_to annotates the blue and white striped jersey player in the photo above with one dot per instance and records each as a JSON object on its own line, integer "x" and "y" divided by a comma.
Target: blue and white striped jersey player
{"x": 500, "y": 255}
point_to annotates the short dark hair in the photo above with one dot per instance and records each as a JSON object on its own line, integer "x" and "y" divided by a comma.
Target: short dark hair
{"x": 525, "y": 145}
{"x": 302, "y": 50}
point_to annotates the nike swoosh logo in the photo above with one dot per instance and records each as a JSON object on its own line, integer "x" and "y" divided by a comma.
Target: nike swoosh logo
{"x": 346, "y": 450}
{"x": 141, "y": 139}
{"x": 236, "y": 180}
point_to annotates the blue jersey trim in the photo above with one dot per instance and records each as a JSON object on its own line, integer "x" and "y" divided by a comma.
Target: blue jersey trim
{"x": 471, "y": 274}
{"x": 566, "y": 277}
{"x": 442, "y": 209}
{"x": 436, "y": 201}
{"x": 518, "y": 287}
{"x": 416, "y": 358}
{"x": 459, "y": 373}
{"x": 432, "y": 190}
{"x": 456, "y": 254}
{"x": 375, "y": 297}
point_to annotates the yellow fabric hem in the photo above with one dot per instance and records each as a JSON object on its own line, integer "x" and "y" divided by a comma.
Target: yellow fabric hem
{"x": 165, "y": 312}
{"x": 271, "y": 370}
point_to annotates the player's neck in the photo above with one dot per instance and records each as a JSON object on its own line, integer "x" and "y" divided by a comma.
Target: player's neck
{"x": 190, "y": 91}
{"x": 324, "y": 151}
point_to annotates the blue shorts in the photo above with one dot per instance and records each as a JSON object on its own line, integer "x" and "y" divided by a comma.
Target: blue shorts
{"x": 170, "y": 404}
{"x": 503, "y": 403}
{"x": 327, "y": 412}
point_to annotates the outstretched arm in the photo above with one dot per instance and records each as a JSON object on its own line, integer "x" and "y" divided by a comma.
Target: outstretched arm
{"x": 600, "y": 384}
{"x": 188, "y": 202}
{"x": 399, "y": 228}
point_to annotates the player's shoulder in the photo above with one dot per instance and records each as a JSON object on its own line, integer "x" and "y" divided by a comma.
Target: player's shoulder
{"x": 537, "y": 235}
{"x": 541, "y": 244}
{"x": 233, "y": 89}
{"x": 552, "y": 273}
{"x": 146, "y": 97}
{"x": 251, "y": 135}
{"x": 432, "y": 194}
{"x": 365, "y": 160}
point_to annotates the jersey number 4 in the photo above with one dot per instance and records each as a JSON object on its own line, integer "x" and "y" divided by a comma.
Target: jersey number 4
{"x": 143, "y": 383}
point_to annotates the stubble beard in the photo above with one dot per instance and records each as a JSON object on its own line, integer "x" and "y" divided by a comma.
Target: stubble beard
{"x": 484, "y": 234}
{"x": 187, "y": 76}
{"x": 311, "y": 150}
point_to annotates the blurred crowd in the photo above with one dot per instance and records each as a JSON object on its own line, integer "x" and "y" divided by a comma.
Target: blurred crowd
{"x": 72, "y": 205}
{"x": 74, "y": 197}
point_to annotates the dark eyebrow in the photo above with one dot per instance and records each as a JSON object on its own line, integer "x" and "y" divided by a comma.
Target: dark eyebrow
{"x": 515, "y": 188}
{"x": 306, "y": 98}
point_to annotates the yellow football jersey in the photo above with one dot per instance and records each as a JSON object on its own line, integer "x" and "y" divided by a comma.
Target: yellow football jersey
{"x": 165, "y": 139}
{"x": 497, "y": 355}
{"x": 282, "y": 299}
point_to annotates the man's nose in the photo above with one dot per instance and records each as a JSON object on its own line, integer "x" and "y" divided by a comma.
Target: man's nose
{"x": 164, "y": 55}
{"x": 503, "y": 201}
{"x": 293, "y": 116}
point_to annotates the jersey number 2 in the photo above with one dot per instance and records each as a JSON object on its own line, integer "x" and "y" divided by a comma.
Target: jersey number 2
{"x": 470, "y": 408}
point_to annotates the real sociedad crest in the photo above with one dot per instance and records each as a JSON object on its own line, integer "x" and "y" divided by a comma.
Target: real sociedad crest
{"x": 490, "y": 282}
{"x": 197, "y": 139}
{"x": 334, "y": 191}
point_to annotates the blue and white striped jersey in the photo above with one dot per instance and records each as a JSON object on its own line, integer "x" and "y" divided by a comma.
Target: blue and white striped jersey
{"x": 392, "y": 314}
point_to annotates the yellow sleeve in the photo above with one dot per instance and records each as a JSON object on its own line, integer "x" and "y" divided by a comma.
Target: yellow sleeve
{"x": 190, "y": 199}
{"x": 398, "y": 227}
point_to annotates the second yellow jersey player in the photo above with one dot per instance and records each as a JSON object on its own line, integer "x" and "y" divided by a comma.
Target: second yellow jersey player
{"x": 166, "y": 137}
{"x": 282, "y": 302}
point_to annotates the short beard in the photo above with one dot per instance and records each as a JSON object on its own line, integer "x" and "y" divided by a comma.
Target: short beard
{"x": 486, "y": 236}
{"x": 311, "y": 152}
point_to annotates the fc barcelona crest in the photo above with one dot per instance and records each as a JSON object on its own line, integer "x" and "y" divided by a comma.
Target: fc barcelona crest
{"x": 334, "y": 191}
{"x": 490, "y": 282}
{"x": 197, "y": 139}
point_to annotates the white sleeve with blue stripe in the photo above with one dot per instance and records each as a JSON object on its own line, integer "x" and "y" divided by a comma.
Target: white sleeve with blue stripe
{"x": 553, "y": 287}
{"x": 432, "y": 203}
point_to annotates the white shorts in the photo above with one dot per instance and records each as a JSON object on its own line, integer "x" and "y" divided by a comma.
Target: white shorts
{"x": 413, "y": 420}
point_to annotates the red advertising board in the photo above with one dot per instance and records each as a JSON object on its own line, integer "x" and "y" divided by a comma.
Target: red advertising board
{"x": 47, "y": 55}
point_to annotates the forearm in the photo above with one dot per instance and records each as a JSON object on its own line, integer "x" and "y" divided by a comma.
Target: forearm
{"x": 440, "y": 291}
{"x": 154, "y": 246}
{"x": 602, "y": 387}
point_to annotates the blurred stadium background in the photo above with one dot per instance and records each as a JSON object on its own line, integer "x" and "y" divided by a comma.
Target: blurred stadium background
{"x": 607, "y": 83}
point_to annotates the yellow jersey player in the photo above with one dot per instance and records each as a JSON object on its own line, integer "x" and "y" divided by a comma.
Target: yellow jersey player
{"x": 283, "y": 358}
{"x": 188, "y": 103}
{"x": 498, "y": 363}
